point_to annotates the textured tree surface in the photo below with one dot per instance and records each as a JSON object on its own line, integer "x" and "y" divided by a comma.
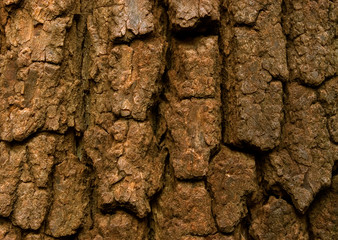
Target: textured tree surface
{"x": 168, "y": 119}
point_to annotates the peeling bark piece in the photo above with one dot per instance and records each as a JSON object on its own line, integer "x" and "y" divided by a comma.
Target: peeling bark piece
{"x": 192, "y": 13}
{"x": 323, "y": 215}
{"x": 194, "y": 131}
{"x": 183, "y": 209}
{"x": 195, "y": 70}
{"x": 128, "y": 80}
{"x": 277, "y": 220}
{"x": 232, "y": 178}
{"x": 119, "y": 225}
{"x": 253, "y": 99}
{"x": 328, "y": 96}
{"x": 70, "y": 198}
{"x": 10, "y": 170}
{"x": 122, "y": 19}
{"x": 8, "y": 231}
{"x": 30, "y": 207}
{"x": 303, "y": 163}
{"x": 311, "y": 27}
{"x": 128, "y": 165}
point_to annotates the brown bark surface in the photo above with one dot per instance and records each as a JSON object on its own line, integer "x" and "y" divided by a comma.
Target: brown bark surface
{"x": 168, "y": 119}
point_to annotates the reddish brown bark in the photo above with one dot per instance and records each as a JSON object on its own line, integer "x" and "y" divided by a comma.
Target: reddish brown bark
{"x": 168, "y": 119}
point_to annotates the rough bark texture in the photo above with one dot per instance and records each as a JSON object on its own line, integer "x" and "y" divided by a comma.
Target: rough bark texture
{"x": 168, "y": 119}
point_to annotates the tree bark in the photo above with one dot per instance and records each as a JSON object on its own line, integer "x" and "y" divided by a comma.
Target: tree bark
{"x": 168, "y": 119}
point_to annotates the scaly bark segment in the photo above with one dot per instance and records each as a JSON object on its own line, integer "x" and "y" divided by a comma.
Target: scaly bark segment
{"x": 183, "y": 210}
{"x": 121, "y": 20}
{"x": 303, "y": 163}
{"x": 70, "y": 199}
{"x": 324, "y": 214}
{"x": 277, "y": 220}
{"x": 311, "y": 27}
{"x": 192, "y": 113}
{"x": 26, "y": 193}
{"x": 328, "y": 97}
{"x": 128, "y": 165}
{"x": 232, "y": 179}
{"x": 119, "y": 225}
{"x": 8, "y": 231}
{"x": 40, "y": 81}
{"x": 256, "y": 63}
{"x": 192, "y": 14}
